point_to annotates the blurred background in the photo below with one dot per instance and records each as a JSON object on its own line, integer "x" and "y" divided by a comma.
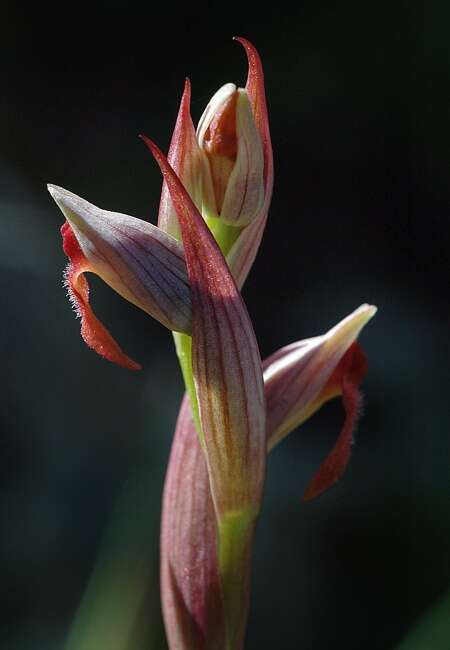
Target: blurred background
{"x": 358, "y": 95}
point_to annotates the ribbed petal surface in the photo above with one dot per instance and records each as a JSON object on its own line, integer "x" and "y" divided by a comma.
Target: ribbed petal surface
{"x": 138, "y": 260}
{"x": 226, "y": 363}
{"x": 190, "y": 584}
{"x": 185, "y": 158}
{"x": 243, "y": 253}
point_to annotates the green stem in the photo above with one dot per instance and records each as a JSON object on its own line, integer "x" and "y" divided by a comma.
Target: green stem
{"x": 235, "y": 536}
{"x": 183, "y": 345}
{"x": 224, "y": 235}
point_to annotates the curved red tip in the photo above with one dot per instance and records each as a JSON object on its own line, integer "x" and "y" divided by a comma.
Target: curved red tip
{"x": 346, "y": 378}
{"x": 94, "y": 333}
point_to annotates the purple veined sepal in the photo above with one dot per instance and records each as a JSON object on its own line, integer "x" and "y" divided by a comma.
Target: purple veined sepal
{"x": 227, "y": 373}
{"x": 139, "y": 261}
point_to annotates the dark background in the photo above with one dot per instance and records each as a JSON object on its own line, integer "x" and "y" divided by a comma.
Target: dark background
{"x": 359, "y": 96}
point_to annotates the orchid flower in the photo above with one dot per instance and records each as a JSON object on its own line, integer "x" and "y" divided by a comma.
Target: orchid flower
{"x": 186, "y": 273}
{"x": 332, "y": 365}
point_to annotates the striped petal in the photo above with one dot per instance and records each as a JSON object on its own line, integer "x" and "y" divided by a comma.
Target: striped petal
{"x": 226, "y": 363}
{"x": 301, "y": 377}
{"x": 138, "y": 260}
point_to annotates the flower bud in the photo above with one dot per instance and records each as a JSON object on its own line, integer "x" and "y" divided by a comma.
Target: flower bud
{"x": 233, "y": 185}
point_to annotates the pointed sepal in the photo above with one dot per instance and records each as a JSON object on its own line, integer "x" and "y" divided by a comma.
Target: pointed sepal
{"x": 138, "y": 260}
{"x": 257, "y": 96}
{"x": 187, "y": 160}
{"x": 242, "y": 254}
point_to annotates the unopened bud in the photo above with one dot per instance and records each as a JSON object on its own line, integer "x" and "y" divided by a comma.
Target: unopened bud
{"x": 233, "y": 187}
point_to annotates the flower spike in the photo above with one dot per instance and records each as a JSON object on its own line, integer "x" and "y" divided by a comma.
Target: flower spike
{"x": 187, "y": 273}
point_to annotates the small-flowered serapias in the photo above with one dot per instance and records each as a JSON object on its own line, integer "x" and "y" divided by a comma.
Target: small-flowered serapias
{"x": 187, "y": 272}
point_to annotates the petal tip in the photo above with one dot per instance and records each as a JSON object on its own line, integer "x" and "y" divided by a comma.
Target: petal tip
{"x": 150, "y": 144}
{"x": 243, "y": 41}
{"x": 53, "y": 190}
{"x": 370, "y": 310}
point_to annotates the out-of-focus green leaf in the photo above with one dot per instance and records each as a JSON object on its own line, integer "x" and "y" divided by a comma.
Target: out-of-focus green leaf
{"x": 432, "y": 631}
{"x": 120, "y": 608}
